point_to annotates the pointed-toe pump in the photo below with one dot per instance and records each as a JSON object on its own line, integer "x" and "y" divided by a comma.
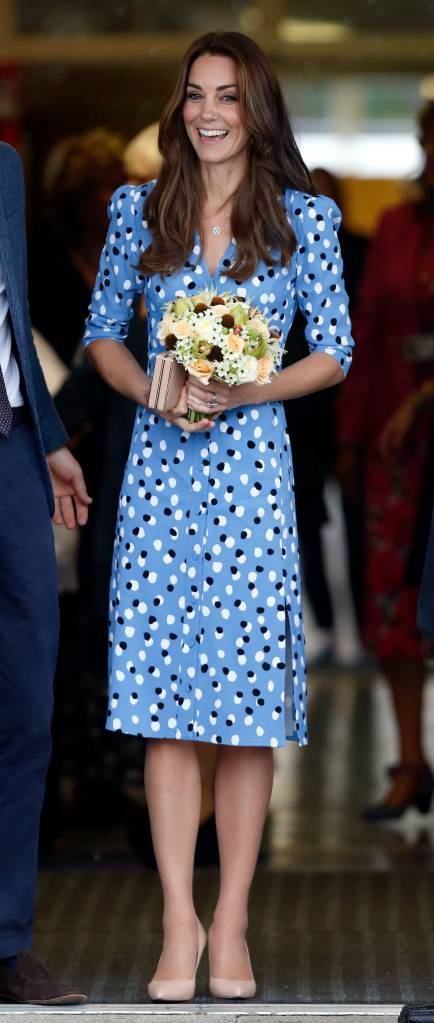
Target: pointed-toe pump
{"x": 180, "y": 990}
{"x": 221, "y": 988}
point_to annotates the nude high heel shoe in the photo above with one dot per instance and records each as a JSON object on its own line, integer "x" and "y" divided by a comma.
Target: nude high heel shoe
{"x": 179, "y": 990}
{"x": 220, "y": 988}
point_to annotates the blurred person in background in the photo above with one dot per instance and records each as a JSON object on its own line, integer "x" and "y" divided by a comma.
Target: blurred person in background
{"x": 142, "y": 157}
{"x": 79, "y": 177}
{"x": 39, "y": 478}
{"x": 386, "y": 429}
{"x": 86, "y": 773}
{"x": 425, "y": 608}
{"x": 311, "y": 428}
{"x": 229, "y": 212}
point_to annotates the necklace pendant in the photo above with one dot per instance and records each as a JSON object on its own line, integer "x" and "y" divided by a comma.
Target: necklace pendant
{"x": 216, "y": 230}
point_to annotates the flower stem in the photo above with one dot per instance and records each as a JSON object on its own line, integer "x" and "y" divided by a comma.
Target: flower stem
{"x": 195, "y": 417}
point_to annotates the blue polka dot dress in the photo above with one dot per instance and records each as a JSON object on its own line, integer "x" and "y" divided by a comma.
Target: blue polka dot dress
{"x": 206, "y": 627}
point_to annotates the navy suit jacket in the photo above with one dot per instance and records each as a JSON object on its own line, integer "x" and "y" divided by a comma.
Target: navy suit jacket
{"x": 48, "y": 429}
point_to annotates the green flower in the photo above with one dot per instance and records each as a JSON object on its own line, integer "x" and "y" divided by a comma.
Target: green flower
{"x": 181, "y": 306}
{"x": 200, "y": 347}
{"x": 239, "y": 313}
{"x": 256, "y": 345}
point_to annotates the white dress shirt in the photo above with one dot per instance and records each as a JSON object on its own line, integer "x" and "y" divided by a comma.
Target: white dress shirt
{"x": 8, "y": 363}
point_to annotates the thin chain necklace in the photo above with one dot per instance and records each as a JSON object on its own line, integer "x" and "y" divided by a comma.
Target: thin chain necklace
{"x": 217, "y": 228}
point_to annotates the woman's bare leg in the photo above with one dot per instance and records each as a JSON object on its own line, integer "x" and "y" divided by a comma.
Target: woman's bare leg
{"x": 406, "y": 681}
{"x": 173, "y": 794}
{"x": 406, "y": 677}
{"x": 207, "y": 754}
{"x": 244, "y": 780}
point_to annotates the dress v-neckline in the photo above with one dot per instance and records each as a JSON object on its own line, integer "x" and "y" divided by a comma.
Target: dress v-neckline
{"x": 213, "y": 276}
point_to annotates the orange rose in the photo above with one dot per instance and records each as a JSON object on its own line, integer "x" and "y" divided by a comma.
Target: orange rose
{"x": 260, "y": 327}
{"x": 265, "y": 368}
{"x": 218, "y": 310}
{"x": 201, "y": 369}
{"x": 181, "y": 329}
{"x": 236, "y": 344}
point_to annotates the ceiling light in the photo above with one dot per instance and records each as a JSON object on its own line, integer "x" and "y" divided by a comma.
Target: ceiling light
{"x": 295, "y": 30}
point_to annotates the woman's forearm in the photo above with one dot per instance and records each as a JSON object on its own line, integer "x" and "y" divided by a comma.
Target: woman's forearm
{"x": 119, "y": 369}
{"x": 314, "y": 373}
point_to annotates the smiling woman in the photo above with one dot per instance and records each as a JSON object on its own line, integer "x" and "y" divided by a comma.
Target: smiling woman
{"x": 206, "y": 624}
{"x": 215, "y": 127}
{"x": 209, "y": 102}
{"x": 226, "y": 111}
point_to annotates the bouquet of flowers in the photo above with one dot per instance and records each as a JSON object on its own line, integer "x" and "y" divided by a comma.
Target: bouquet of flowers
{"x": 220, "y": 337}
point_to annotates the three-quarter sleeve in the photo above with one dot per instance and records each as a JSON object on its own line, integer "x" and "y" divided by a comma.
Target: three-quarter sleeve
{"x": 319, "y": 284}
{"x": 119, "y": 278}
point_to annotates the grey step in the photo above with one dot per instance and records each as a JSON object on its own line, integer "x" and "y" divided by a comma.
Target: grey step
{"x": 228, "y": 1013}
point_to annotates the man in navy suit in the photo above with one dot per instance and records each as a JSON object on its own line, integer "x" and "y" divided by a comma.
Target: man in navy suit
{"x": 39, "y": 479}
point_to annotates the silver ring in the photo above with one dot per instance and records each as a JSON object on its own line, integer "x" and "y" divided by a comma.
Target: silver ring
{"x": 212, "y": 404}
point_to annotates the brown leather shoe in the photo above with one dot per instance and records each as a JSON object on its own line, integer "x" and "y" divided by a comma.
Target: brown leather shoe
{"x": 31, "y": 983}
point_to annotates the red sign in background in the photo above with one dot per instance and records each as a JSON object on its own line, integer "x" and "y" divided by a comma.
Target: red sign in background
{"x": 10, "y": 105}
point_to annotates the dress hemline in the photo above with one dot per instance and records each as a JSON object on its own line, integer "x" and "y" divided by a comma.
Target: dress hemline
{"x": 207, "y": 742}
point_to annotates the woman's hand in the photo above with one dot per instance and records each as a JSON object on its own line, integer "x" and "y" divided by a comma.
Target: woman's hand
{"x": 222, "y": 397}
{"x": 397, "y": 428}
{"x": 178, "y": 415}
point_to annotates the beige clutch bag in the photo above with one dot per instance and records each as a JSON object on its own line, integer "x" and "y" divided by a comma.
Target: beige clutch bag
{"x": 167, "y": 382}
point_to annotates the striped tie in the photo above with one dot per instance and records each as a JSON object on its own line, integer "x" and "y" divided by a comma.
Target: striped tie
{"x": 5, "y": 408}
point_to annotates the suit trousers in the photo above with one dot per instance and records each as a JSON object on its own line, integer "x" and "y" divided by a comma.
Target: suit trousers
{"x": 425, "y": 610}
{"x": 29, "y": 624}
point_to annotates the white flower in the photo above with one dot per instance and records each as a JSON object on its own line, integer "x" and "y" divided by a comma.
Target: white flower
{"x": 248, "y": 368}
{"x": 205, "y": 328}
{"x": 182, "y": 329}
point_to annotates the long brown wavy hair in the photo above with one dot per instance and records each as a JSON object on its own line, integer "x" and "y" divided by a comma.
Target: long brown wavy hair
{"x": 259, "y": 223}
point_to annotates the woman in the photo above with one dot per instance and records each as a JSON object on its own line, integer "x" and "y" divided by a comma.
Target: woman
{"x": 205, "y": 566}
{"x": 387, "y": 422}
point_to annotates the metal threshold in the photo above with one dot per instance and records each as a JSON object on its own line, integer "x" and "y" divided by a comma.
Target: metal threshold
{"x": 208, "y": 1013}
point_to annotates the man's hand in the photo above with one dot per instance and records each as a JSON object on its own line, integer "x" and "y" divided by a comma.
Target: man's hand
{"x": 70, "y": 494}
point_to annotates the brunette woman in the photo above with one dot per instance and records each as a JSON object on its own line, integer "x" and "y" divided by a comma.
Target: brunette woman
{"x": 387, "y": 424}
{"x": 206, "y": 634}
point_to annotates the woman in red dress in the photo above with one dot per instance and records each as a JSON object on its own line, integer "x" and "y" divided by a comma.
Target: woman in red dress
{"x": 386, "y": 425}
